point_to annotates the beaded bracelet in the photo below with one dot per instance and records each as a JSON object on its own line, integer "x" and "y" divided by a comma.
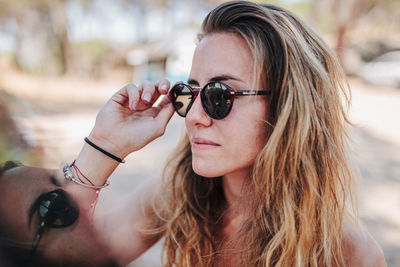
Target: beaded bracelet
{"x": 68, "y": 174}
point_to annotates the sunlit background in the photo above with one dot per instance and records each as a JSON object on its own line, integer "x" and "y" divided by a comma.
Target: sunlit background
{"x": 61, "y": 60}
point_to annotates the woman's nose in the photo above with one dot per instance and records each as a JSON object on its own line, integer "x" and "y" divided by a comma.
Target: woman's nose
{"x": 196, "y": 115}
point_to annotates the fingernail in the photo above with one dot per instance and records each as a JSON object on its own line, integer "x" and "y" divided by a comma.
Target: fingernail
{"x": 134, "y": 105}
{"x": 164, "y": 88}
{"x": 147, "y": 97}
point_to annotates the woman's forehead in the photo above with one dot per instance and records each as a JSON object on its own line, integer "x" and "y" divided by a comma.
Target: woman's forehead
{"x": 19, "y": 188}
{"x": 27, "y": 171}
{"x": 222, "y": 53}
{"x": 12, "y": 171}
{"x": 24, "y": 181}
{"x": 17, "y": 175}
{"x": 8, "y": 165}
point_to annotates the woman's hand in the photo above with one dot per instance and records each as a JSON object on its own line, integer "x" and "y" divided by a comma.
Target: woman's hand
{"x": 128, "y": 121}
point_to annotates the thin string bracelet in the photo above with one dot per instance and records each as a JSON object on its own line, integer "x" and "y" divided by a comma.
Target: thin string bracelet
{"x": 77, "y": 171}
{"x": 69, "y": 175}
{"x": 103, "y": 151}
{"x": 79, "y": 178}
{"x": 97, "y": 192}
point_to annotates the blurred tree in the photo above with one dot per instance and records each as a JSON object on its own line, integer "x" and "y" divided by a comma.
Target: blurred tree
{"x": 142, "y": 10}
{"x": 346, "y": 15}
{"x": 45, "y": 18}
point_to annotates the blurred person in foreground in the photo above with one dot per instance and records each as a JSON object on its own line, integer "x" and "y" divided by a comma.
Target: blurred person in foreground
{"x": 32, "y": 196}
{"x": 262, "y": 176}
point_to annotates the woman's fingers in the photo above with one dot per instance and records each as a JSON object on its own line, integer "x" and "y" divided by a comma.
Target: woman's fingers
{"x": 163, "y": 86}
{"x": 133, "y": 95}
{"x": 134, "y": 109}
{"x": 149, "y": 92}
{"x": 141, "y": 97}
{"x": 127, "y": 96}
{"x": 164, "y": 116}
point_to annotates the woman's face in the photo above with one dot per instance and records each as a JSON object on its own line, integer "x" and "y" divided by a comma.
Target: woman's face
{"x": 226, "y": 147}
{"x": 20, "y": 187}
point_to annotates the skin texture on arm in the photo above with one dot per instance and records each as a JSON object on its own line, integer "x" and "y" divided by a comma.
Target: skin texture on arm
{"x": 122, "y": 228}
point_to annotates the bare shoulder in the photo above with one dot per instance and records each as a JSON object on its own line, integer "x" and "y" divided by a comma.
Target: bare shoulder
{"x": 360, "y": 248}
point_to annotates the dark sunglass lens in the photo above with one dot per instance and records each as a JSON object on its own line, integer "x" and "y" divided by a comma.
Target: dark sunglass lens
{"x": 217, "y": 100}
{"x": 182, "y": 99}
{"x": 58, "y": 210}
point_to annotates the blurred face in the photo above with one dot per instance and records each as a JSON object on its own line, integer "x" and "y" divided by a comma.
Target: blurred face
{"x": 226, "y": 147}
{"x": 20, "y": 188}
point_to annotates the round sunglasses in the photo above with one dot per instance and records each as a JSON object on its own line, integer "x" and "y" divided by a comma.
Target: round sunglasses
{"x": 56, "y": 210}
{"x": 216, "y": 98}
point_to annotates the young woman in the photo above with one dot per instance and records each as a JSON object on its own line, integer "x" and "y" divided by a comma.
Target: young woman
{"x": 262, "y": 177}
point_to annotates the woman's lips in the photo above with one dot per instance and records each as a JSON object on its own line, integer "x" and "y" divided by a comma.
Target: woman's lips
{"x": 201, "y": 143}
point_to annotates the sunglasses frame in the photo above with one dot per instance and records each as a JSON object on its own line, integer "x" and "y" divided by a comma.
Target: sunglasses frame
{"x": 51, "y": 197}
{"x": 195, "y": 91}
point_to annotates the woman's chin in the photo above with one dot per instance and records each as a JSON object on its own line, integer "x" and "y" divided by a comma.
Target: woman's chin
{"x": 206, "y": 171}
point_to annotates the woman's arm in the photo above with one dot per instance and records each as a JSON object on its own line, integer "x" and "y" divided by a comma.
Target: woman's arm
{"x": 123, "y": 227}
{"x": 126, "y": 123}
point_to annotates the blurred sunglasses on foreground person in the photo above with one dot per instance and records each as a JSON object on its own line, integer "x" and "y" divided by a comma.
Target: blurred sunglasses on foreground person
{"x": 262, "y": 176}
{"x": 44, "y": 221}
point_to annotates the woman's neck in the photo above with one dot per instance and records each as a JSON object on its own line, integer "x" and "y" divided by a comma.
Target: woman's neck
{"x": 233, "y": 188}
{"x": 234, "y": 214}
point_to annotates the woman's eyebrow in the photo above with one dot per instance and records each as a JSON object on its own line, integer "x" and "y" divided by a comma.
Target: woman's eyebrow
{"x": 219, "y": 78}
{"x": 224, "y": 77}
{"x": 193, "y": 82}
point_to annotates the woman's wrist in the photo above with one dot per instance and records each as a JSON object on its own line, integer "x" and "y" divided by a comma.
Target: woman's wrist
{"x": 108, "y": 154}
{"x": 95, "y": 165}
{"x": 109, "y": 145}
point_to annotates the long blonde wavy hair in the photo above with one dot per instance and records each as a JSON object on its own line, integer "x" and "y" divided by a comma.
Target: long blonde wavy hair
{"x": 302, "y": 179}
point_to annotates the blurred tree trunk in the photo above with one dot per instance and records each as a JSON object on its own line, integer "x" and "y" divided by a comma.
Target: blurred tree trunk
{"x": 35, "y": 19}
{"x": 340, "y": 43}
{"x": 340, "y": 11}
{"x": 345, "y": 14}
{"x": 59, "y": 23}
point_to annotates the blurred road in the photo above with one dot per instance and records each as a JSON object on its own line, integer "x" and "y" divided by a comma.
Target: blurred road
{"x": 61, "y": 114}
{"x": 376, "y": 136}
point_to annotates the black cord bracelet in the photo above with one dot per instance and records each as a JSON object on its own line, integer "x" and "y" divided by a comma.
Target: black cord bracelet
{"x": 103, "y": 151}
